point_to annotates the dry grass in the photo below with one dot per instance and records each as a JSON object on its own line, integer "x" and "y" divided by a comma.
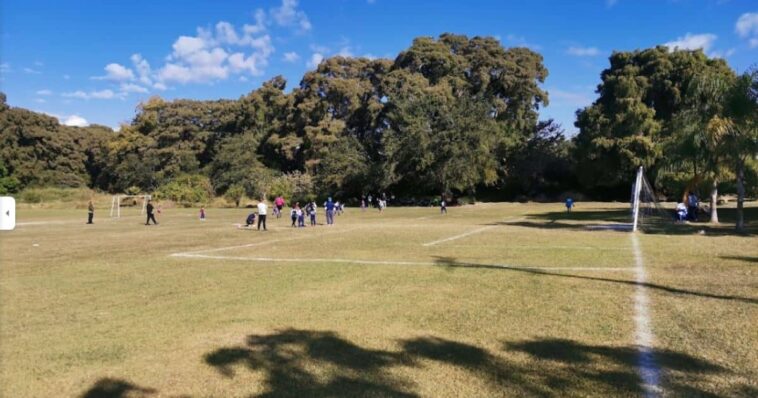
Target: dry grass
{"x": 106, "y": 311}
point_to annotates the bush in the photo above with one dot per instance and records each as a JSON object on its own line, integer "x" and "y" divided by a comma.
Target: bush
{"x": 234, "y": 194}
{"x": 187, "y": 190}
{"x": 295, "y": 187}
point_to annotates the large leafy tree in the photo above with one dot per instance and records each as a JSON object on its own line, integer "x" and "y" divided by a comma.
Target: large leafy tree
{"x": 627, "y": 126}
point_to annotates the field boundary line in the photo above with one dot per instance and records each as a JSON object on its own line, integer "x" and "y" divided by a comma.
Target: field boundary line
{"x": 260, "y": 243}
{"x": 647, "y": 366}
{"x": 394, "y": 262}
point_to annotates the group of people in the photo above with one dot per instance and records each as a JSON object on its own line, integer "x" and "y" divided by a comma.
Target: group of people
{"x": 690, "y": 210}
{"x": 297, "y": 213}
{"x": 379, "y": 201}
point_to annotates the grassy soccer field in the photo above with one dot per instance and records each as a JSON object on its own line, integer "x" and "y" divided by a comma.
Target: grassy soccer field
{"x": 488, "y": 300}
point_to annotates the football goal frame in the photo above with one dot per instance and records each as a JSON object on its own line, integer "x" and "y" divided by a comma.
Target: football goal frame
{"x": 116, "y": 201}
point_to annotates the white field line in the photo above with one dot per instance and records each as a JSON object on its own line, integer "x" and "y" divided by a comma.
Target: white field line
{"x": 647, "y": 367}
{"x": 472, "y": 232}
{"x": 463, "y": 235}
{"x": 544, "y": 247}
{"x": 264, "y": 242}
{"x": 391, "y": 262}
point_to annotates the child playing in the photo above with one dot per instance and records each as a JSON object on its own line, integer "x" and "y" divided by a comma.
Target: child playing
{"x": 249, "y": 221}
{"x": 569, "y": 204}
{"x": 311, "y": 209}
{"x": 443, "y": 206}
{"x": 293, "y": 214}
{"x": 300, "y": 216}
{"x": 202, "y": 213}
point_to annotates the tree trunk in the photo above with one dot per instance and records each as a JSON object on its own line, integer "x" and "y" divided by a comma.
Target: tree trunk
{"x": 740, "y": 195}
{"x": 714, "y": 201}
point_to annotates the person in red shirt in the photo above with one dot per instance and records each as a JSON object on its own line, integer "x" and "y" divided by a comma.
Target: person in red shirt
{"x": 278, "y": 205}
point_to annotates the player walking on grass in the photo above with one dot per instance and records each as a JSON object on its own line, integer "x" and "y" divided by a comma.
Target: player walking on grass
{"x": 569, "y": 204}
{"x": 202, "y": 213}
{"x": 329, "y": 206}
{"x": 443, "y": 205}
{"x": 278, "y": 205}
{"x": 150, "y": 215}
{"x": 90, "y": 212}
{"x": 293, "y": 214}
{"x": 262, "y": 210}
{"x": 311, "y": 210}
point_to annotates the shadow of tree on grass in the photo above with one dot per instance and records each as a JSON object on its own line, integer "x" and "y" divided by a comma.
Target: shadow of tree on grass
{"x": 320, "y": 364}
{"x": 116, "y": 388}
{"x": 450, "y": 262}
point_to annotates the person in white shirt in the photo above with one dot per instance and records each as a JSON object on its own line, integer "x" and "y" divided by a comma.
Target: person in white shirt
{"x": 262, "y": 209}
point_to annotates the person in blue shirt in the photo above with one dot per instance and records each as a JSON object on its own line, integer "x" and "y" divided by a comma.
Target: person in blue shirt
{"x": 329, "y": 206}
{"x": 569, "y": 204}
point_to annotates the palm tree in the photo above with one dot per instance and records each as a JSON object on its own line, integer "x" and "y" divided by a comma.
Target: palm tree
{"x": 737, "y": 130}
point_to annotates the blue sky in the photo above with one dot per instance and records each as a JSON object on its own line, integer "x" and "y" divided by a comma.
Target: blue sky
{"x": 94, "y": 61}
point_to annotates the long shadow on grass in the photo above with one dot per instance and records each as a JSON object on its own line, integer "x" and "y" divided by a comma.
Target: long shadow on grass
{"x": 453, "y": 263}
{"x": 747, "y": 259}
{"x": 116, "y": 388}
{"x": 296, "y": 363}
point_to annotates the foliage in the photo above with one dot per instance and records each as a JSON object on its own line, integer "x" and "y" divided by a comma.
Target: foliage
{"x": 234, "y": 194}
{"x": 296, "y": 185}
{"x": 189, "y": 189}
{"x": 627, "y": 126}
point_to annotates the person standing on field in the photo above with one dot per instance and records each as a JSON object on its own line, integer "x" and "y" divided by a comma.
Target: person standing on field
{"x": 150, "y": 215}
{"x": 90, "y": 212}
{"x": 262, "y": 210}
{"x": 329, "y": 206}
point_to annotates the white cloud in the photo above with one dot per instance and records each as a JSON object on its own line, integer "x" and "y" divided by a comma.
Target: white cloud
{"x": 142, "y": 67}
{"x": 747, "y": 24}
{"x": 66, "y": 77}
{"x": 520, "y": 41}
{"x": 132, "y": 88}
{"x": 583, "y": 51}
{"x": 692, "y": 42}
{"x": 40, "y": 100}
{"x": 747, "y": 27}
{"x": 291, "y": 57}
{"x": 31, "y": 71}
{"x": 316, "y": 59}
{"x": 39, "y": 64}
{"x": 610, "y": 3}
{"x": 102, "y": 94}
{"x": 44, "y": 92}
{"x": 76, "y": 121}
{"x": 5, "y": 67}
{"x": 159, "y": 86}
{"x": 345, "y": 52}
{"x": 116, "y": 72}
{"x": 726, "y": 54}
{"x": 289, "y": 15}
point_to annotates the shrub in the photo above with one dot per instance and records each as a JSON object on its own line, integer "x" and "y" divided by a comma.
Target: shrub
{"x": 234, "y": 194}
{"x": 187, "y": 190}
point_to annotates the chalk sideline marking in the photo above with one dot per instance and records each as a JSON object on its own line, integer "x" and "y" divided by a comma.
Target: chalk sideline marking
{"x": 392, "y": 262}
{"x": 260, "y": 243}
{"x": 463, "y": 235}
{"x": 647, "y": 367}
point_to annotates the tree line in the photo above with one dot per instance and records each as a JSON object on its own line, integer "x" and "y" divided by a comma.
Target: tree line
{"x": 450, "y": 114}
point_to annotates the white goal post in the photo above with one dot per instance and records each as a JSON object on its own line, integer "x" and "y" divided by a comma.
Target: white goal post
{"x": 117, "y": 200}
{"x": 637, "y": 190}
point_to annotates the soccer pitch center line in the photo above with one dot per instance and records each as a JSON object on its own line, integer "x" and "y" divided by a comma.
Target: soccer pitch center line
{"x": 647, "y": 367}
{"x": 393, "y": 262}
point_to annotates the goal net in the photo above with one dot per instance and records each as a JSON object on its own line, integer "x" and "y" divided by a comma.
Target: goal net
{"x": 128, "y": 205}
{"x": 647, "y": 213}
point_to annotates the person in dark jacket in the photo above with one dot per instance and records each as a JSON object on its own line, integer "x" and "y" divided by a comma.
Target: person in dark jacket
{"x": 90, "y": 212}
{"x": 150, "y": 215}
